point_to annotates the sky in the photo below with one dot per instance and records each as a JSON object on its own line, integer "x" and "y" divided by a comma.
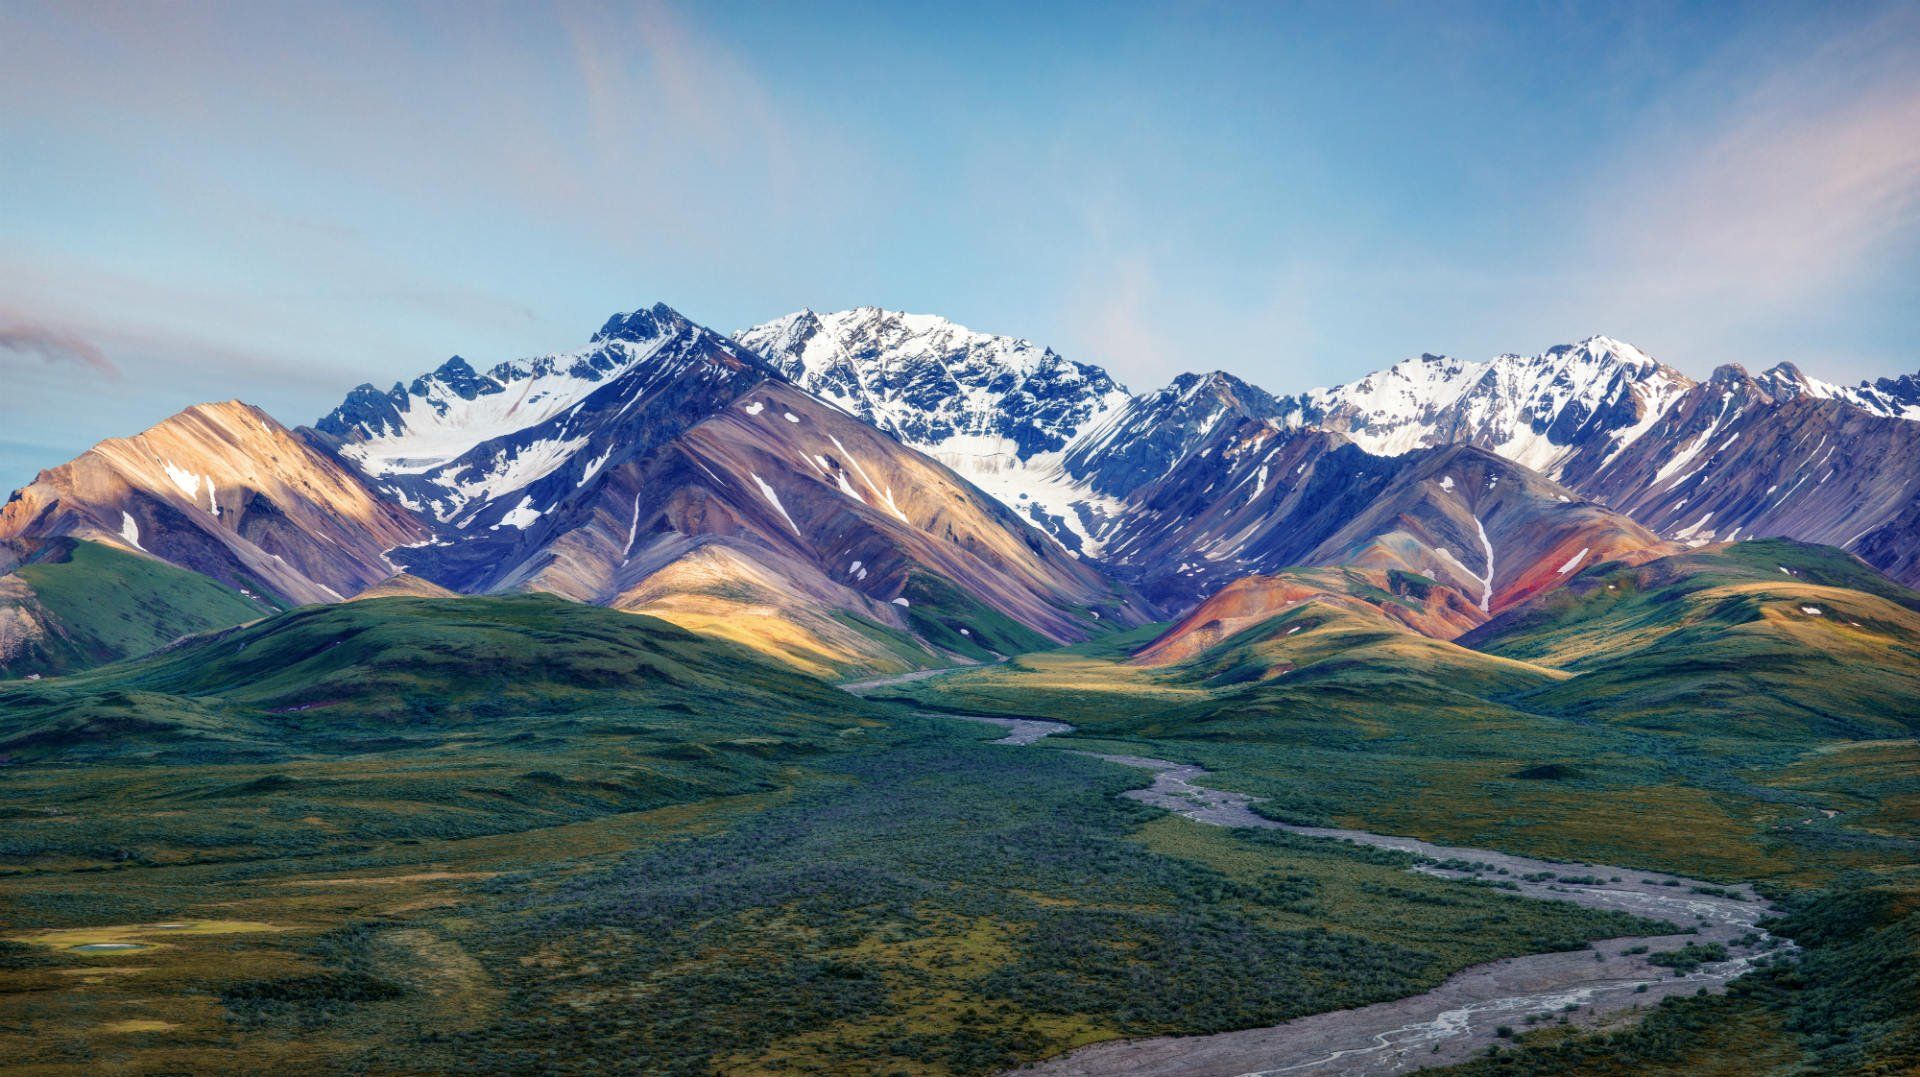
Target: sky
{"x": 277, "y": 202}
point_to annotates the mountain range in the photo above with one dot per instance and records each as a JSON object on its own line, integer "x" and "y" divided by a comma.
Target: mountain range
{"x": 872, "y": 491}
{"x": 485, "y": 724}
{"x": 1688, "y": 460}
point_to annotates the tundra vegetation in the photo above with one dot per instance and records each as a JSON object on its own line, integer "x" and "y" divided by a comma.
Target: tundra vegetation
{"x": 520, "y": 834}
{"x": 1727, "y": 735}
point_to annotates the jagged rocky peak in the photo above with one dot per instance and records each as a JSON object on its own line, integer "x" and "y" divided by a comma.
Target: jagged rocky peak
{"x": 1893, "y": 398}
{"x": 1205, "y": 398}
{"x": 1785, "y": 374}
{"x": 645, "y": 323}
{"x": 1220, "y": 387}
{"x": 1142, "y": 442}
{"x": 1000, "y": 410}
{"x": 455, "y": 442}
{"x": 454, "y": 407}
{"x": 1536, "y": 409}
{"x": 932, "y": 382}
{"x": 1896, "y": 397}
{"x": 459, "y": 378}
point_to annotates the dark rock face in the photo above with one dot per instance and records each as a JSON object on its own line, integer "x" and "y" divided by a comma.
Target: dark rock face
{"x": 1147, "y": 439}
{"x": 1895, "y": 396}
{"x": 645, "y": 324}
{"x": 369, "y": 410}
{"x": 1732, "y": 460}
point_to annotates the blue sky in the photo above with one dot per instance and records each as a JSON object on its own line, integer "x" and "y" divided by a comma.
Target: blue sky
{"x": 277, "y": 202}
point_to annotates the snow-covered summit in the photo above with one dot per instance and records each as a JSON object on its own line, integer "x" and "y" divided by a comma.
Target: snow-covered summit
{"x": 998, "y": 409}
{"x": 1893, "y": 398}
{"x": 931, "y": 382}
{"x": 415, "y": 428}
{"x": 1534, "y": 409}
{"x": 457, "y": 439}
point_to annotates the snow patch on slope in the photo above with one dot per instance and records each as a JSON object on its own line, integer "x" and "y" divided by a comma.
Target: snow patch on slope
{"x": 441, "y": 424}
{"x": 774, "y": 499}
{"x": 187, "y": 481}
{"x": 1486, "y": 583}
{"x": 520, "y": 515}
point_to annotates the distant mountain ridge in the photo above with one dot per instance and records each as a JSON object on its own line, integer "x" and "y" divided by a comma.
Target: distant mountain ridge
{"x": 1734, "y": 456}
{"x": 875, "y": 490}
{"x": 1601, "y": 417}
{"x": 1536, "y": 410}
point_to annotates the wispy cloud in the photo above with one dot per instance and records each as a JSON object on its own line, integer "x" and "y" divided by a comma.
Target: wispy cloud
{"x": 55, "y": 345}
{"x": 1801, "y": 184}
{"x": 676, "y": 112}
{"x": 1114, "y": 318}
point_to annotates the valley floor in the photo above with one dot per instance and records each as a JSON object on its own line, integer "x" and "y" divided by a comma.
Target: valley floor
{"x": 1473, "y": 1009}
{"x": 928, "y": 903}
{"x": 1828, "y": 829}
{"x": 889, "y": 891}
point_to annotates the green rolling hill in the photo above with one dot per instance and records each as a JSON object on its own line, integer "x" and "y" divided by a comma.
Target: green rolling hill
{"x": 1771, "y": 639}
{"x": 397, "y": 671}
{"x": 68, "y": 604}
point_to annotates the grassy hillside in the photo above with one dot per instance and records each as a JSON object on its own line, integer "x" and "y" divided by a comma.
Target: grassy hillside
{"x": 336, "y": 679}
{"x": 495, "y": 834}
{"x": 73, "y": 605}
{"x": 1770, "y": 639}
{"x": 403, "y": 585}
{"x": 1322, "y": 643}
{"x": 1688, "y": 714}
{"x": 781, "y": 608}
{"x": 1610, "y": 605}
{"x": 1701, "y": 739}
{"x": 1409, "y": 599}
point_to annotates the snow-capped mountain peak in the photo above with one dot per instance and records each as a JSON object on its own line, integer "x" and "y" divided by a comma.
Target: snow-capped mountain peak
{"x": 929, "y": 381}
{"x": 1530, "y": 408}
{"x": 423, "y": 442}
{"x": 1893, "y": 398}
{"x": 997, "y": 409}
{"x": 1604, "y": 349}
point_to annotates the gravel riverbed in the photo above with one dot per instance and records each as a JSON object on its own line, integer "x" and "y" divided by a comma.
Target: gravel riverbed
{"x": 1463, "y": 1016}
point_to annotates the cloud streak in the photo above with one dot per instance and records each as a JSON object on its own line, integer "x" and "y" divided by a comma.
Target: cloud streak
{"x": 53, "y": 345}
{"x": 1807, "y": 180}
